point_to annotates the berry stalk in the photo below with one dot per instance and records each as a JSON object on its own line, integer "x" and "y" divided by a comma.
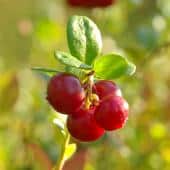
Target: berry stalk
{"x": 60, "y": 163}
{"x": 88, "y": 85}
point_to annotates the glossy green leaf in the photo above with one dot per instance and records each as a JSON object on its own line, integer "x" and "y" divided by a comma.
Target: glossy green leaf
{"x": 58, "y": 123}
{"x": 75, "y": 71}
{"x": 59, "y": 126}
{"x": 46, "y": 70}
{"x": 113, "y": 66}
{"x": 69, "y": 60}
{"x": 84, "y": 39}
{"x": 45, "y": 73}
{"x": 70, "y": 150}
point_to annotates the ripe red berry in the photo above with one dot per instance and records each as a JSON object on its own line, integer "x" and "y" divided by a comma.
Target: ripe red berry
{"x": 91, "y": 3}
{"x": 103, "y": 3}
{"x": 103, "y": 88}
{"x": 112, "y": 113}
{"x": 65, "y": 93}
{"x": 83, "y": 126}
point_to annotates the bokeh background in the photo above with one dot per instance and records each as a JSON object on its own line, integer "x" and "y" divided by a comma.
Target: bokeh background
{"x": 30, "y": 31}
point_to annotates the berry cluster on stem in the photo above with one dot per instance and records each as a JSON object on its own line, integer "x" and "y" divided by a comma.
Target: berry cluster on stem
{"x": 92, "y": 108}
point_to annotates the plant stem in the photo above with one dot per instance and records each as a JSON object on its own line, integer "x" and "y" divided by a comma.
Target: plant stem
{"x": 60, "y": 163}
{"x": 89, "y": 84}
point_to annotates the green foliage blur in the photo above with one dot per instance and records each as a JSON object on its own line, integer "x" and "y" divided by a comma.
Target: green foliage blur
{"x": 30, "y": 31}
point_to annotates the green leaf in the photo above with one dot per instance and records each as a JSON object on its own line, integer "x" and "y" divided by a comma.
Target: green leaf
{"x": 70, "y": 150}
{"x": 84, "y": 39}
{"x": 58, "y": 123}
{"x": 45, "y": 73}
{"x": 45, "y": 70}
{"x": 113, "y": 66}
{"x": 76, "y": 71}
{"x": 69, "y": 60}
{"x": 59, "y": 126}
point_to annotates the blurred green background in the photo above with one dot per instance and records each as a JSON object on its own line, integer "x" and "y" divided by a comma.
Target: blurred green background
{"x": 30, "y": 31}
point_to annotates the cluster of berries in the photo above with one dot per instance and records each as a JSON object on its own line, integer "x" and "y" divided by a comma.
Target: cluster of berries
{"x": 108, "y": 112}
{"x": 91, "y": 3}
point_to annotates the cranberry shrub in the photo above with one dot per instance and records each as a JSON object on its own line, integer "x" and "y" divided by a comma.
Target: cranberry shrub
{"x": 85, "y": 90}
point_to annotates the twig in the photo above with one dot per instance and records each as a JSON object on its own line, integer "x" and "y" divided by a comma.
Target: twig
{"x": 60, "y": 163}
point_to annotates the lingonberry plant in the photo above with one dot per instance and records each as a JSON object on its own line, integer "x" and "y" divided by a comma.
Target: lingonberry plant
{"x": 84, "y": 90}
{"x": 91, "y": 3}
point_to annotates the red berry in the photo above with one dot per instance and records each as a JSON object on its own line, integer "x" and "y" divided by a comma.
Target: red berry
{"x": 83, "y": 126}
{"x": 65, "y": 93}
{"x": 91, "y": 3}
{"x": 103, "y": 3}
{"x": 112, "y": 113}
{"x": 103, "y": 88}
